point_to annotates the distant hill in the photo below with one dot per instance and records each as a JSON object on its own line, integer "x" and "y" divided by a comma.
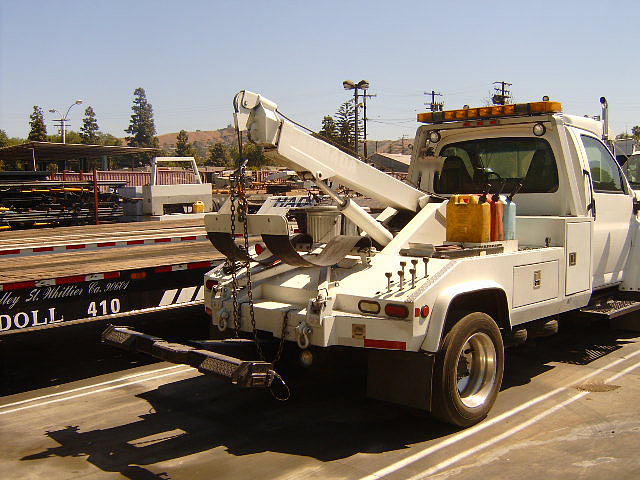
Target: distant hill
{"x": 202, "y": 139}
{"x": 390, "y": 146}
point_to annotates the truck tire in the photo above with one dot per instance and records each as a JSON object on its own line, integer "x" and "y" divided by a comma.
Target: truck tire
{"x": 468, "y": 371}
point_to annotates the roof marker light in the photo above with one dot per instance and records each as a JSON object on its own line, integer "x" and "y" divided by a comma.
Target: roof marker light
{"x": 539, "y": 129}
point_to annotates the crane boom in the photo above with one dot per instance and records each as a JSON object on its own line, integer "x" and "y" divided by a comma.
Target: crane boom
{"x": 302, "y": 152}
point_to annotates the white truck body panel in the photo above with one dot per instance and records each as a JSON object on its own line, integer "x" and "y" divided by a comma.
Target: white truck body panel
{"x": 563, "y": 253}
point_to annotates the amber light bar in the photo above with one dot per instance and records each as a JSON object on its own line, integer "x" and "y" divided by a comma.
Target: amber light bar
{"x": 531, "y": 108}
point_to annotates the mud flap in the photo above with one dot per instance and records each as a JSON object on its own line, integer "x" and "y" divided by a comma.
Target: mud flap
{"x": 403, "y": 378}
{"x": 244, "y": 373}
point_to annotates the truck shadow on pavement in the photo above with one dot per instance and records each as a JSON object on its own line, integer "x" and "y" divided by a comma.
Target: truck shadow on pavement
{"x": 326, "y": 419}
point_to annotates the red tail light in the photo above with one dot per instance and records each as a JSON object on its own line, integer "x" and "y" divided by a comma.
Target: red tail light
{"x": 210, "y": 284}
{"x": 397, "y": 311}
{"x": 259, "y": 248}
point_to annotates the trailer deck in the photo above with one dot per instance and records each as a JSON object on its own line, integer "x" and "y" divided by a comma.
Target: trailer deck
{"x": 160, "y": 266}
{"x": 99, "y": 241}
{"x": 96, "y": 232}
{"x": 94, "y": 262}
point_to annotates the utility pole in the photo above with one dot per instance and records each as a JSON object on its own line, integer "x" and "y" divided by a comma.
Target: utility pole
{"x": 64, "y": 119}
{"x": 433, "y": 105}
{"x": 60, "y": 123}
{"x": 364, "y": 104}
{"x": 502, "y": 94}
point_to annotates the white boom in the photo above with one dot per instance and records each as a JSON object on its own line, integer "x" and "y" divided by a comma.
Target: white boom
{"x": 315, "y": 158}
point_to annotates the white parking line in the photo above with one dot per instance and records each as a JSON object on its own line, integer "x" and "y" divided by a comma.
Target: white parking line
{"x": 42, "y": 397}
{"x": 113, "y": 387}
{"x": 486, "y": 424}
{"x": 498, "y": 438}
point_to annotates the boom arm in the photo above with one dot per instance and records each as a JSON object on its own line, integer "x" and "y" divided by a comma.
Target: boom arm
{"x": 303, "y": 152}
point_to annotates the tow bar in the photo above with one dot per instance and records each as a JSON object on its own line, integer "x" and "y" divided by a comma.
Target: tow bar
{"x": 243, "y": 373}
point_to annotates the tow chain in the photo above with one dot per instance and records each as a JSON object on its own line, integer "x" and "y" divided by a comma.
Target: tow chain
{"x": 232, "y": 262}
{"x": 237, "y": 193}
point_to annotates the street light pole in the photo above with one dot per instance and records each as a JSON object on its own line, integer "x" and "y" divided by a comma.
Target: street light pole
{"x": 355, "y": 103}
{"x": 362, "y": 85}
{"x": 64, "y": 119}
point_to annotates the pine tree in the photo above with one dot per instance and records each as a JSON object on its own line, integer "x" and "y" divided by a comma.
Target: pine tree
{"x": 217, "y": 155}
{"x": 89, "y": 130}
{"x": 183, "y": 147}
{"x": 4, "y": 139}
{"x": 329, "y": 129}
{"x": 141, "y": 128}
{"x": 345, "y": 122}
{"x": 38, "y": 132}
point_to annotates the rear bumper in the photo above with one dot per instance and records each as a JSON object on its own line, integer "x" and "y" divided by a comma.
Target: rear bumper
{"x": 244, "y": 373}
{"x": 340, "y": 329}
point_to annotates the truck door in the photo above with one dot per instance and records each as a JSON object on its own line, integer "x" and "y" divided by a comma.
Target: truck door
{"x": 613, "y": 211}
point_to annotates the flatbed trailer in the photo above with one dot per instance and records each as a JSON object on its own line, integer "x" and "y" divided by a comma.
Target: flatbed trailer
{"x": 89, "y": 283}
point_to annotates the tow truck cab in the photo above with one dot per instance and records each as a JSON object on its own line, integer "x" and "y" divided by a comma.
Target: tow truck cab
{"x": 566, "y": 174}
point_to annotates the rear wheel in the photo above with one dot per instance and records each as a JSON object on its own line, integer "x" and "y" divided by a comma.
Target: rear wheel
{"x": 468, "y": 371}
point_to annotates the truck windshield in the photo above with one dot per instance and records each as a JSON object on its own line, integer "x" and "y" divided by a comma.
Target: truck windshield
{"x": 497, "y": 163}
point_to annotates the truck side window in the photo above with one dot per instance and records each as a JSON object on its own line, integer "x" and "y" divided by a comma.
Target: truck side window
{"x": 632, "y": 170}
{"x": 604, "y": 169}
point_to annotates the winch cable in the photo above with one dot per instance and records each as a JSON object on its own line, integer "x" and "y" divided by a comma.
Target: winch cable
{"x": 348, "y": 150}
{"x": 237, "y": 191}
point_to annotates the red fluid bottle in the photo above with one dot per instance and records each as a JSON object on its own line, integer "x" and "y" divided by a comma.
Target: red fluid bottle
{"x": 497, "y": 218}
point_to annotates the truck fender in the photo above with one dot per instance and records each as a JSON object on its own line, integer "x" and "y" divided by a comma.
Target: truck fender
{"x": 433, "y": 337}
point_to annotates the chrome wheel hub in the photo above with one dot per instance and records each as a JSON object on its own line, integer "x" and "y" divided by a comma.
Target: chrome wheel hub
{"x": 476, "y": 370}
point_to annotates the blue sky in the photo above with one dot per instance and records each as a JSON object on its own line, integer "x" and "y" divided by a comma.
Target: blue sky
{"x": 192, "y": 56}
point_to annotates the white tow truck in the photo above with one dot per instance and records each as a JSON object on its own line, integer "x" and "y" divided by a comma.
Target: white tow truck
{"x": 432, "y": 316}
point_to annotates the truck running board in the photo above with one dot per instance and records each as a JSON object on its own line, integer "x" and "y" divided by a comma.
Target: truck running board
{"x": 243, "y": 373}
{"x": 610, "y": 308}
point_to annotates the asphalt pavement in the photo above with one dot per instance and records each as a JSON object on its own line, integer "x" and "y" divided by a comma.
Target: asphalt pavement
{"x": 73, "y": 408}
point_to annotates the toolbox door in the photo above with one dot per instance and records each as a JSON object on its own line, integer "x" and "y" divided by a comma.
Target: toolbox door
{"x": 578, "y": 257}
{"x": 534, "y": 283}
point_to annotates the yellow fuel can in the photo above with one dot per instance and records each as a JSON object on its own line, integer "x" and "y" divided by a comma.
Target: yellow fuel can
{"x": 468, "y": 219}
